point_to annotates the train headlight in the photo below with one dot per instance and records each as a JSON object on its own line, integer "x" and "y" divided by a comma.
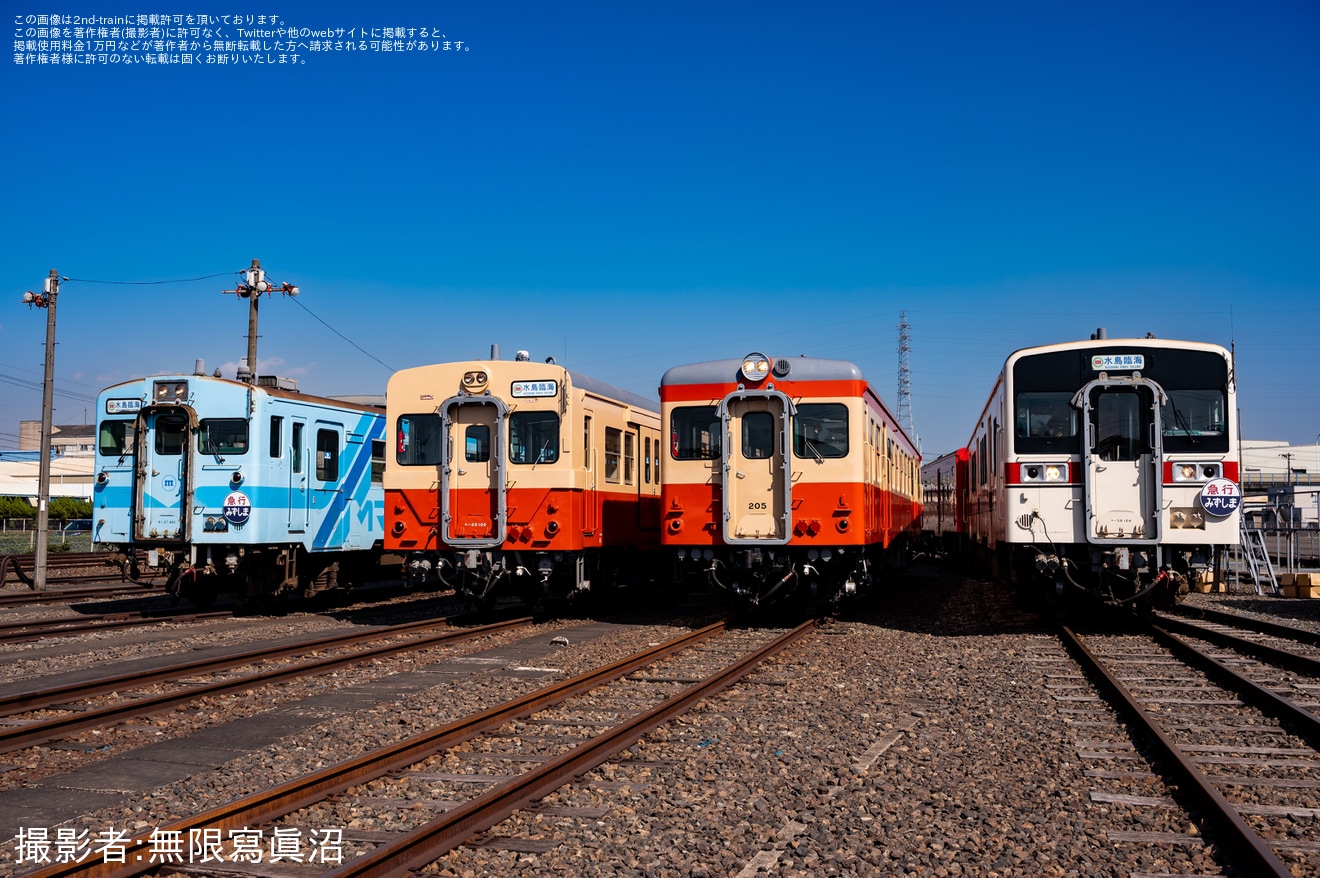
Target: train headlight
{"x": 1055, "y": 472}
{"x": 1197, "y": 472}
{"x": 755, "y": 367}
{"x": 475, "y": 381}
{"x": 171, "y": 391}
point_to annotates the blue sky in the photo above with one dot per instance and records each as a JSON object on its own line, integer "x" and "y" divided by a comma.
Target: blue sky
{"x": 629, "y": 187}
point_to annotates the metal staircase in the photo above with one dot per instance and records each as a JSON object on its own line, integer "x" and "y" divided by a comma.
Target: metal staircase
{"x": 1258, "y": 561}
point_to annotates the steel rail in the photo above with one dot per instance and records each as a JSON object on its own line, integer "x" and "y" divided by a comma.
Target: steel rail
{"x": 63, "y": 561}
{"x": 22, "y": 599}
{"x": 425, "y": 844}
{"x": 1267, "y": 700}
{"x": 1237, "y": 835}
{"x": 1274, "y": 629}
{"x": 46, "y": 730}
{"x": 1302, "y": 664}
{"x": 18, "y": 632}
{"x": 45, "y": 696}
{"x": 301, "y": 792}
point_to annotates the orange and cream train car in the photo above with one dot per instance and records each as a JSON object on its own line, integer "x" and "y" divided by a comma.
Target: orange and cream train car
{"x": 515, "y": 478}
{"x": 786, "y": 478}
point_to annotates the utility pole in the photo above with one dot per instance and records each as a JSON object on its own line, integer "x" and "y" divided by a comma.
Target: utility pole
{"x": 45, "y": 299}
{"x": 256, "y": 284}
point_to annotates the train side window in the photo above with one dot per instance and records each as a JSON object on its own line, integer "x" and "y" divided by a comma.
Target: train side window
{"x": 171, "y": 434}
{"x": 629, "y": 456}
{"x": 694, "y": 433}
{"x": 758, "y": 435}
{"x": 476, "y": 443}
{"x": 116, "y": 437}
{"x": 327, "y": 455}
{"x": 613, "y": 442}
{"x": 296, "y": 444}
{"x": 377, "y": 461}
{"x": 820, "y": 430}
{"x": 646, "y": 459}
{"x": 533, "y": 437}
{"x": 276, "y": 436}
{"x": 418, "y": 439}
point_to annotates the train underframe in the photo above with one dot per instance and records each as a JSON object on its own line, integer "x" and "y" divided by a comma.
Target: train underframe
{"x": 1139, "y": 577}
{"x": 760, "y": 576}
{"x": 200, "y": 574}
{"x": 534, "y": 578}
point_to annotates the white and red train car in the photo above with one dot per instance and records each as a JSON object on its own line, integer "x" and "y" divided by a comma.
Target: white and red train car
{"x": 944, "y": 501}
{"x": 1107, "y": 466}
{"x": 786, "y": 477}
{"x": 515, "y": 478}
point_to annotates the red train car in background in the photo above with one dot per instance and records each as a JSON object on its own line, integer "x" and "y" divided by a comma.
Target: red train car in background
{"x": 786, "y": 477}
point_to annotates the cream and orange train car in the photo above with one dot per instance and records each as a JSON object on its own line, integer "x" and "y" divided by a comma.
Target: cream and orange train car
{"x": 516, "y": 478}
{"x": 786, "y": 478}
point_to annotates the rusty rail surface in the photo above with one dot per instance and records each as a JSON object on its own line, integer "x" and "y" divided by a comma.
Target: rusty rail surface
{"x": 17, "y": 632}
{"x": 1254, "y": 854}
{"x": 46, "y": 730}
{"x": 301, "y": 792}
{"x": 60, "y": 564}
{"x": 424, "y": 844}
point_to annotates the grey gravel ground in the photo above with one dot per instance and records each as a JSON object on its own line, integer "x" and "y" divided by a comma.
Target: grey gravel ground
{"x": 920, "y": 736}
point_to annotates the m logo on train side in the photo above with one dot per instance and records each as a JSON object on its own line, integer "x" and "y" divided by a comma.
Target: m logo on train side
{"x": 238, "y": 508}
{"x": 1101, "y": 362}
{"x": 1220, "y": 497}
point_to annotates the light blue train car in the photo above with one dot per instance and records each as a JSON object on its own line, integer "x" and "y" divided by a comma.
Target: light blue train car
{"x": 220, "y": 485}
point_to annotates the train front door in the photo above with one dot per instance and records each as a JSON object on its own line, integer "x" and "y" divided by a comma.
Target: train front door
{"x": 1122, "y": 463}
{"x": 757, "y": 492}
{"x": 161, "y": 482}
{"x": 472, "y": 481}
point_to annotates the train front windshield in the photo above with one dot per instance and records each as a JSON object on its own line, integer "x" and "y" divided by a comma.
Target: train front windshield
{"x": 1193, "y": 418}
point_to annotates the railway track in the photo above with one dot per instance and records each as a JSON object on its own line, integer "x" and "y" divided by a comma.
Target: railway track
{"x": 61, "y": 567}
{"x": 593, "y": 717}
{"x": 18, "y": 632}
{"x": 1249, "y": 715}
{"x": 55, "y": 596}
{"x": 68, "y": 722}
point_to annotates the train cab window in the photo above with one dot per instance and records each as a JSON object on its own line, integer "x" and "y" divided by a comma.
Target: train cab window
{"x": 171, "y": 434}
{"x": 613, "y": 442}
{"x": 1045, "y": 414}
{"x": 116, "y": 437}
{"x": 820, "y": 430}
{"x": 694, "y": 433}
{"x": 222, "y": 436}
{"x": 533, "y": 437}
{"x": 377, "y": 461}
{"x": 327, "y": 455}
{"x": 1193, "y": 413}
{"x": 476, "y": 443}
{"x": 276, "y": 436}
{"x": 758, "y": 435}
{"x": 418, "y": 440}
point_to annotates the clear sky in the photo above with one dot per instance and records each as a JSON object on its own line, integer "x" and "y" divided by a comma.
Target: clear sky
{"x": 628, "y": 187}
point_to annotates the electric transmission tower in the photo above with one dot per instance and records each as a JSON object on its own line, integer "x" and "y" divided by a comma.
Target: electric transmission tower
{"x": 905, "y": 378}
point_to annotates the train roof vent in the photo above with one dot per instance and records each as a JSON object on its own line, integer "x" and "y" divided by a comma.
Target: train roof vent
{"x": 277, "y": 382}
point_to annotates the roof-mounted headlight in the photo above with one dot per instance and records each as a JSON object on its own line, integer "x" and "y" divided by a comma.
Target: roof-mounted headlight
{"x": 171, "y": 391}
{"x": 755, "y": 367}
